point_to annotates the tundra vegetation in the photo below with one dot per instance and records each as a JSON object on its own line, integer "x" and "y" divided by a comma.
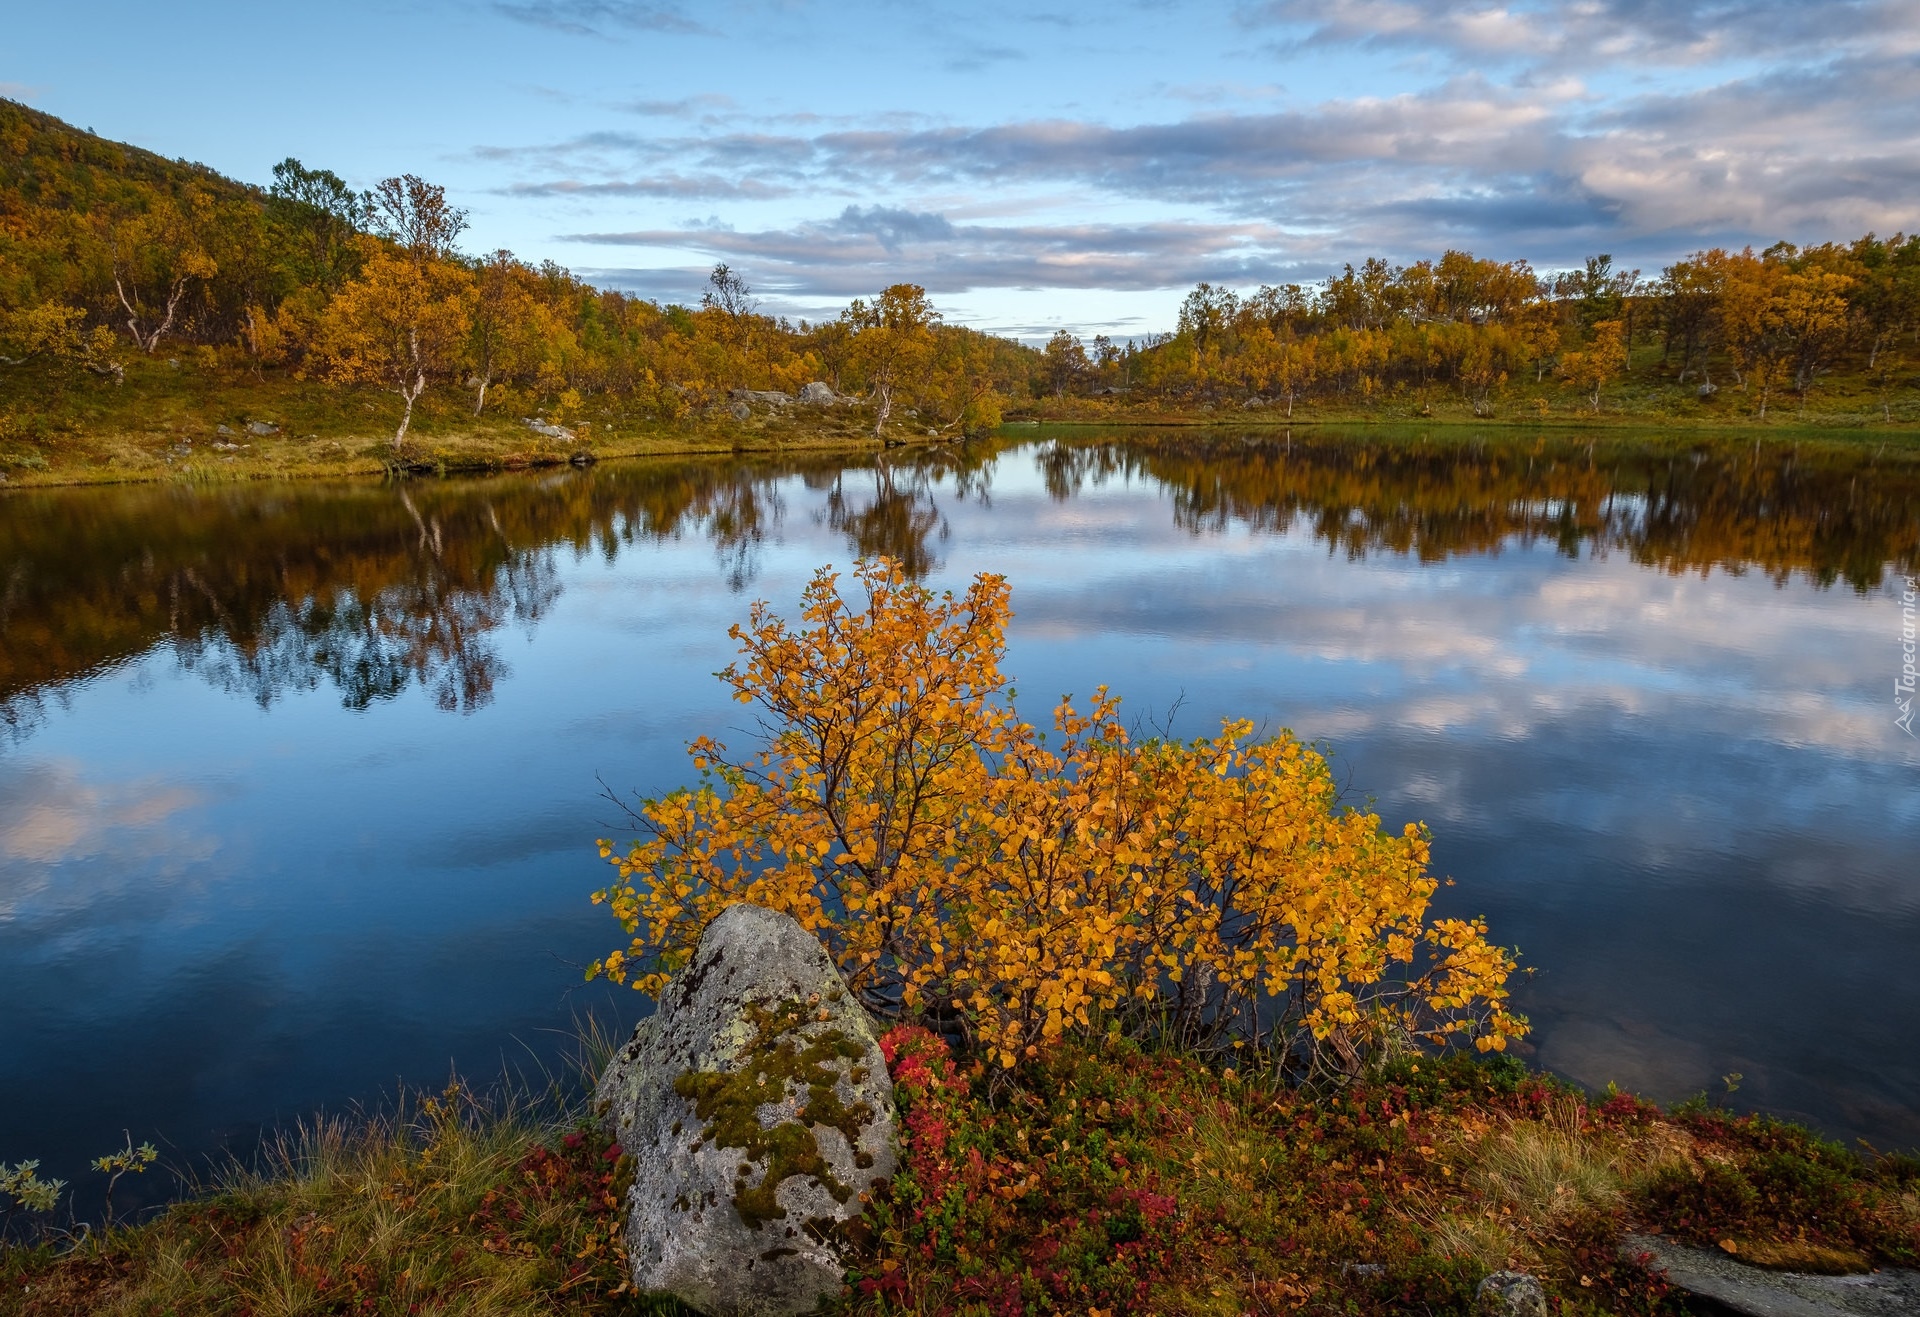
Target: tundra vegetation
{"x": 1173, "y": 1032}
{"x": 146, "y": 302}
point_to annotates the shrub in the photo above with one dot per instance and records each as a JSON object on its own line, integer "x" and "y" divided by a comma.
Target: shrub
{"x": 959, "y": 867}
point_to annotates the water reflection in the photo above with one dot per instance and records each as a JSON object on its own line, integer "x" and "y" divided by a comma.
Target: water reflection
{"x": 371, "y": 589}
{"x": 314, "y": 768}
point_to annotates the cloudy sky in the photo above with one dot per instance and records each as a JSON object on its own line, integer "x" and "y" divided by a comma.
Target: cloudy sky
{"x": 1034, "y": 165}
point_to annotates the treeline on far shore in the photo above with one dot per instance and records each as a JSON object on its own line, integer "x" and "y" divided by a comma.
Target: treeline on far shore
{"x": 110, "y": 255}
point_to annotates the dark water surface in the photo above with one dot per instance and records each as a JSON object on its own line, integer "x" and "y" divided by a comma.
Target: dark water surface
{"x": 299, "y": 784}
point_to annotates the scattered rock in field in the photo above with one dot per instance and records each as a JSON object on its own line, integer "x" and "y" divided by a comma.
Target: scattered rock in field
{"x": 262, "y": 428}
{"x": 1739, "y": 1288}
{"x": 760, "y": 397}
{"x": 1510, "y": 1294}
{"x": 583, "y": 459}
{"x": 1364, "y": 1270}
{"x": 740, "y": 409}
{"x": 820, "y": 394}
{"x": 221, "y": 429}
{"x": 755, "y": 1040}
{"x": 544, "y": 428}
{"x": 1706, "y": 390}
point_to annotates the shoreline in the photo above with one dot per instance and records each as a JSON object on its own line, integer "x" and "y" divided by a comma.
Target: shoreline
{"x": 157, "y": 458}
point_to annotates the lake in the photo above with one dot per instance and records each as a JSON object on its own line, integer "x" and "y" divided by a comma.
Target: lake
{"x": 300, "y": 784}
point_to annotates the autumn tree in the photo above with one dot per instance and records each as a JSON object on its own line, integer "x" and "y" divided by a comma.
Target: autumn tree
{"x": 1603, "y": 358}
{"x": 510, "y": 330}
{"x": 1065, "y": 361}
{"x": 400, "y": 325}
{"x": 960, "y": 866}
{"x": 158, "y": 257}
{"x": 892, "y": 343}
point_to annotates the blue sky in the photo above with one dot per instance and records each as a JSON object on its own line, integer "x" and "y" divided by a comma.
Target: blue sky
{"x": 1034, "y": 166}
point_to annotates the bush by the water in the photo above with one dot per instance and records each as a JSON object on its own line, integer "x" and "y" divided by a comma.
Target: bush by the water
{"x": 963, "y": 869}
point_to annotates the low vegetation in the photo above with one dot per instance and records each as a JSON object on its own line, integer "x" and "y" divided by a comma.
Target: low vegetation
{"x": 1110, "y": 1178}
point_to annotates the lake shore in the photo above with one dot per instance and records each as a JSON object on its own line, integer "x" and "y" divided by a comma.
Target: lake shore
{"x": 1107, "y": 1177}
{"x": 171, "y": 422}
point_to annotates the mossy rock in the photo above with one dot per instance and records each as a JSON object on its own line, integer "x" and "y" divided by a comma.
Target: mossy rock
{"x": 758, "y": 1111}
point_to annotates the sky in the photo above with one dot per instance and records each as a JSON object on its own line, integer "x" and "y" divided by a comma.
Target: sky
{"x": 1034, "y": 166}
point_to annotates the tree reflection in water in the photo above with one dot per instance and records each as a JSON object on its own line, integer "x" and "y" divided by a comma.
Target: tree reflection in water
{"x": 374, "y": 588}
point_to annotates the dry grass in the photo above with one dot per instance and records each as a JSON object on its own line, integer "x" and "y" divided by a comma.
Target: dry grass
{"x": 453, "y": 1204}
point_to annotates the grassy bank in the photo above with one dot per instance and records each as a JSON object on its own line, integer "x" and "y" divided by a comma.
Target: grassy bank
{"x": 1857, "y": 402}
{"x": 187, "y": 419}
{"x": 1103, "y": 1179}
{"x": 181, "y": 419}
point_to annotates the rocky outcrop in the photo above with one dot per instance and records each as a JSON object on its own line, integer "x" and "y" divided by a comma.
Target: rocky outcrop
{"x": 1510, "y": 1294}
{"x": 758, "y": 1111}
{"x": 818, "y": 394}
{"x": 544, "y": 428}
{"x": 759, "y": 398}
{"x": 1750, "y": 1291}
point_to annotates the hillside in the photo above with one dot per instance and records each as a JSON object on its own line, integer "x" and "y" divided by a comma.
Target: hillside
{"x": 160, "y": 320}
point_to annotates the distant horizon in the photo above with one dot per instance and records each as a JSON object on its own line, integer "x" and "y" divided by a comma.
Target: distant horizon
{"x": 1035, "y": 171}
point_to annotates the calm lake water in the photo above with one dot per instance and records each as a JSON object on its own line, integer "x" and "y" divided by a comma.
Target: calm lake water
{"x": 299, "y": 784}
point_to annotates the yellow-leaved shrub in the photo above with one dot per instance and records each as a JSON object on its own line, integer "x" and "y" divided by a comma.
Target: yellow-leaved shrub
{"x": 961, "y": 866}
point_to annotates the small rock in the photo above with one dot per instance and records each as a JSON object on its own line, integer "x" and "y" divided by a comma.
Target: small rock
{"x": 221, "y": 429}
{"x": 262, "y": 428}
{"x": 544, "y": 428}
{"x": 758, "y": 1009}
{"x": 1706, "y": 390}
{"x": 1510, "y": 1294}
{"x": 173, "y": 363}
{"x": 583, "y": 459}
{"x": 741, "y": 410}
{"x": 1364, "y": 1270}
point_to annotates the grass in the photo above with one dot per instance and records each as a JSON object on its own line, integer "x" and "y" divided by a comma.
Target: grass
{"x": 164, "y": 423}
{"x": 450, "y": 1204}
{"x": 63, "y": 427}
{"x": 1102, "y": 1179}
{"x": 1842, "y": 401}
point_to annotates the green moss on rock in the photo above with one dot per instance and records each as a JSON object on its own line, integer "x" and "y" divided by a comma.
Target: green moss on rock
{"x": 729, "y": 1104}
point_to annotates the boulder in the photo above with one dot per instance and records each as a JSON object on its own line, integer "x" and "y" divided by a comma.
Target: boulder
{"x": 818, "y": 394}
{"x": 1510, "y": 1294}
{"x": 262, "y": 428}
{"x": 757, "y": 1109}
{"x": 760, "y": 397}
{"x": 1751, "y": 1292}
{"x": 544, "y": 428}
{"x": 742, "y": 410}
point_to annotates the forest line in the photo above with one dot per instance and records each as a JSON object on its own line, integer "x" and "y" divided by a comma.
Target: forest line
{"x": 109, "y": 255}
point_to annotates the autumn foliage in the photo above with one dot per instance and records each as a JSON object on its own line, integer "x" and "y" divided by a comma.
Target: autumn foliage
{"x": 963, "y": 867}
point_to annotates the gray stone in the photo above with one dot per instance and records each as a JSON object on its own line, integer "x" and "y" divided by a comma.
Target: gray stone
{"x": 758, "y": 1002}
{"x": 760, "y": 397}
{"x": 1749, "y": 1290}
{"x": 741, "y": 409}
{"x": 818, "y": 394}
{"x": 1510, "y": 1294}
{"x": 221, "y": 429}
{"x": 262, "y": 428}
{"x": 1707, "y": 390}
{"x": 542, "y": 427}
